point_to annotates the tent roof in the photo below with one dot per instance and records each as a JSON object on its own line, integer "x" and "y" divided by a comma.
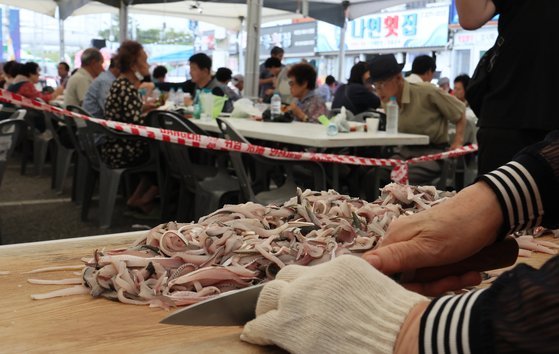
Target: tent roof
{"x": 324, "y": 10}
{"x": 220, "y": 14}
{"x": 224, "y": 13}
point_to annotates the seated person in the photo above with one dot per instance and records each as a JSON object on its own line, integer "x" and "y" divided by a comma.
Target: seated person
{"x": 327, "y": 89}
{"x": 224, "y": 76}
{"x": 24, "y": 84}
{"x": 422, "y": 69}
{"x": 96, "y": 95}
{"x": 25, "y": 80}
{"x": 357, "y": 95}
{"x": 131, "y": 60}
{"x": 92, "y": 65}
{"x": 11, "y": 70}
{"x": 460, "y": 84}
{"x": 306, "y": 106}
{"x": 424, "y": 109}
{"x": 159, "y": 74}
{"x": 238, "y": 84}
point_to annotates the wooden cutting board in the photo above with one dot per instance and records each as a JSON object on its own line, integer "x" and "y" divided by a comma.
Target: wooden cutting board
{"x": 84, "y": 324}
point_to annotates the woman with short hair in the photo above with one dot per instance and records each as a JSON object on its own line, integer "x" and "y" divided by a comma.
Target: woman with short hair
{"x": 27, "y": 75}
{"x": 306, "y": 107}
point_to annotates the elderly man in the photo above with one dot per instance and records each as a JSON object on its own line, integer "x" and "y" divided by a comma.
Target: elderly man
{"x": 94, "y": 101}
{"x": 92, "y": 66}
{"x": 238, "y": 82}
{"x": 63, "y": 73}
{"x": 424, "y": 109}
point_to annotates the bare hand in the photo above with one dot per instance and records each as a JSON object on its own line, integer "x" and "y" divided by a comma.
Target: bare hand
{"x": 444, "y": 234}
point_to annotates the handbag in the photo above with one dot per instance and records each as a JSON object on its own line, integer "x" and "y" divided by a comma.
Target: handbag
{"x": 479, "y": 83}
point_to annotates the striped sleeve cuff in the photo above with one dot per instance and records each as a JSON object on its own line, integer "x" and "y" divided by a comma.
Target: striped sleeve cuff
{"x": 445, "y": 325}
{"x": 519, "y": 196}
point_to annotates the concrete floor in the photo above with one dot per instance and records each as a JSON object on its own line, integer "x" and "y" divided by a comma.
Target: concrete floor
{"x": 31, "y": 211}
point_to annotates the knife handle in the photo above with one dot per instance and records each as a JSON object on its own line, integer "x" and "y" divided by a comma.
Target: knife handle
{"x": 498, "y": 255}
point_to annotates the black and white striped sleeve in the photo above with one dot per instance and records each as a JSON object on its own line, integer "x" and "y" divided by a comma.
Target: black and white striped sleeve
{"x": 519, "y": 196}
{"x": 528, "y": 187}
{"x": 445, "y": 326}
{"x": 519, "y": 313}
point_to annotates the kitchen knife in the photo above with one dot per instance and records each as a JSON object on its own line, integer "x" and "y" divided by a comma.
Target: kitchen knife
{"x": 235, "y": 308}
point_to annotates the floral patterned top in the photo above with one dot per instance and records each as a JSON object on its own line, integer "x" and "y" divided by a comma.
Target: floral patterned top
{"x": 313, "y": 106}
{"x": 124, "y": 105}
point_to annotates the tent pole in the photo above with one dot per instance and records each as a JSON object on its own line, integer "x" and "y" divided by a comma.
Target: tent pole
{"x": 254, "y": 8}
{"x": 62, "y": 45}
{"x": 341, "y": 53}
{"x": 240, "y": 43}
{"x": 123, "y": 21}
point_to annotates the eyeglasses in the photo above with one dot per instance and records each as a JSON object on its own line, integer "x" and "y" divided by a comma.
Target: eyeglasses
{"x": 379, "y": 85}
{"x": 291, "y": 83}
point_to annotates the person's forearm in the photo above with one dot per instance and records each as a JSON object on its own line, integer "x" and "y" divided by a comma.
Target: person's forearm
{"x": 474, "y": 13}
{"x": 460, "y": 128}
{"x": 269, "y": 80}
{"x": 517, "y": 314}
{"x": 528, "y": 188}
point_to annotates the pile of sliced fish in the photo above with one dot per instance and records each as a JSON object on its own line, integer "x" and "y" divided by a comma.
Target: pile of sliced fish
{"x": 237, "y": 246}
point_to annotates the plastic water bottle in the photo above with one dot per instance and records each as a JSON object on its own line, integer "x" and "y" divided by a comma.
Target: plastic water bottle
{"x": 155, "y": 95}
{"x": 197, "y": 108}
{"x": 332, "y": 129}
{"x": 275, "y": 106}
{"x": 172, "y": 96}
{"x": 179, "y": 97}
{"x": 392, "y": 110}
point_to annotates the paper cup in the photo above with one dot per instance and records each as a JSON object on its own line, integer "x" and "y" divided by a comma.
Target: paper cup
{"x": 372, "y": 124}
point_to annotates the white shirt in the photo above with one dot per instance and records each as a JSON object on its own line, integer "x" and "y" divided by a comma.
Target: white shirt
{"x": 416, "y": 79}
{"x": 76, "y": 88}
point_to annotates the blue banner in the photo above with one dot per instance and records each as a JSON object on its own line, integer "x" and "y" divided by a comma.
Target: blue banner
{"x": 15, "y": 34}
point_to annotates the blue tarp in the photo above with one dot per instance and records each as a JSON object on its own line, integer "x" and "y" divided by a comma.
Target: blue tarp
{"x": 180, "y": 56}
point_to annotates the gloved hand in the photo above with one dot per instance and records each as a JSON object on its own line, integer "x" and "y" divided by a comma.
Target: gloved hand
{"x": 343, "y": 306}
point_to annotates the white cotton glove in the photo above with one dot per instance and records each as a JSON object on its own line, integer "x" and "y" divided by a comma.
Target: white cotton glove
{"x": 343, "y": 306}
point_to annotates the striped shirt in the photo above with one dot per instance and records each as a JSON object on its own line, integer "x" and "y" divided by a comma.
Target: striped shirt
{"x": 519, "y": 313}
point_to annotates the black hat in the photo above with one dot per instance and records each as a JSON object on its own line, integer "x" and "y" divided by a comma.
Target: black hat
{"x": 383, "y": 67}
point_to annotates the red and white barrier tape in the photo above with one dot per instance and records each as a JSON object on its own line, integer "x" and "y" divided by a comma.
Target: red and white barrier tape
{"x": 399, "y": 172}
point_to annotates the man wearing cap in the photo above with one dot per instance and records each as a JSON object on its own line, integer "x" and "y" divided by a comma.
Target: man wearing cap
{"x": 444, "y": 84}
{"x": 424, "y": 109}
{"x": 238, "y": 82}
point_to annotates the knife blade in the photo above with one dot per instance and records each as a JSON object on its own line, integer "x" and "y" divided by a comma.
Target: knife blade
{"x": 235, "y": 308}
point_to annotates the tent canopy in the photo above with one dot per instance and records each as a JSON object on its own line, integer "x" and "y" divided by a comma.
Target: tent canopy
{"x": 331, "y": 11}
{"x": 225, "y": 13}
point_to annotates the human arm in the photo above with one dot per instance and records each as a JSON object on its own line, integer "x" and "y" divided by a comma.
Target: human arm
{"x": 459, "y": 136}
{"x": 297, "y": 111}
{"x": 344, "y": 305}
{"x": 517, "y": 314}
{"x": 267, "y": 80}
{"x": 519, "y": 195}
{"x": 474, "y": 13}
{"x": 28, "y": 90}
{"x": 81, "y": 87}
